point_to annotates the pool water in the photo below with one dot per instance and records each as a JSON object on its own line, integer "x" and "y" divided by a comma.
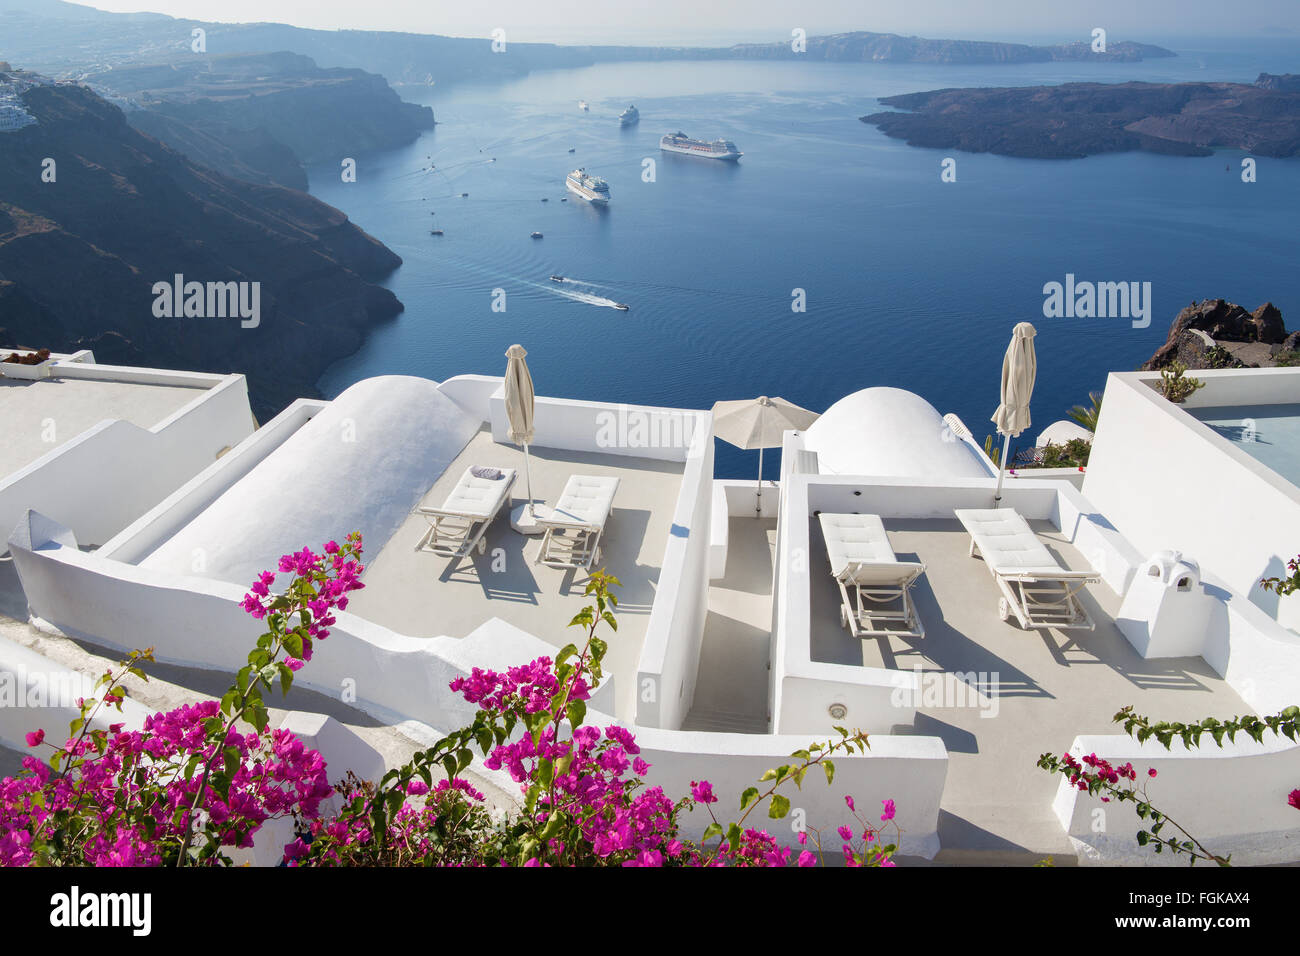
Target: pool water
{"x": 1268, "y": 433}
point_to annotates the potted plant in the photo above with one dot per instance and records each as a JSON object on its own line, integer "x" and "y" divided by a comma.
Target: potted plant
{"x": 27, "y": 364}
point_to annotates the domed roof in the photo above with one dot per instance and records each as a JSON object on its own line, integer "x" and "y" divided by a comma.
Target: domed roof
{"x": 361, "y": 464}
{"x": 890, "y": 432}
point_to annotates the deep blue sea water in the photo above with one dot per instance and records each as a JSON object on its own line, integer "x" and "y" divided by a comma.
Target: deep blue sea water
{"x": 909, "y": 281}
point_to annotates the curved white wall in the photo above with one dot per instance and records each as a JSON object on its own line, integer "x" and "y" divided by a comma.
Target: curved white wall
{"x": 361, "y": 465}
{"x": 889, "y": 431}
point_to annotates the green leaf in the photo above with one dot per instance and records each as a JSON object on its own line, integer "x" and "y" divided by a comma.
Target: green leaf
{"x": 829, "y": 767}
{"x": 748, "y": 797}
{"x": 779, "y": 807}
{"x": 576, "y": 712}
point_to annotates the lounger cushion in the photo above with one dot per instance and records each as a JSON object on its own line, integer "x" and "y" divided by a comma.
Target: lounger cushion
{"x": 478, "y": 497}
{"x": 855, "y": 539}
{"x": 1006, "y": 541}
{"x": 586, "y": 499}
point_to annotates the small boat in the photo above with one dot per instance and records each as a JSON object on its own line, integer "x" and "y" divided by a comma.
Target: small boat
{"x": 464, "y": 195}
{"x": 544, "y": 199}
{"x": 557, "y": 278}
{"x": 436, "y": 232}
{"x": 582, "y": 105}
{"x": 572, "y": 149}
{"x": 534, "y": 235}
{"x": 622, "y": 306}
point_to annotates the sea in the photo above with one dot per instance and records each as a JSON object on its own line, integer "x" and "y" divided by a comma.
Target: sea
{"x": 830, "y": 258}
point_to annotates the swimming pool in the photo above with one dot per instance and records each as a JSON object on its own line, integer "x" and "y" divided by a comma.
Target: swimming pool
{"x": 1268, "y": 433}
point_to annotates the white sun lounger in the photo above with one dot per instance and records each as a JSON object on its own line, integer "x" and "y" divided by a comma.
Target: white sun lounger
{"x": 1035, "y": 588}
{"x": 575, "y": 524}
{"x": 874, "y": 585}
{"x": 459, "y": 526}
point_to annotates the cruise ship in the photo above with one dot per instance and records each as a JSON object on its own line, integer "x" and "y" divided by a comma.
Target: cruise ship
{"x": 591, "y": 188}
{"x": 629, "y": 116}
{"x": 679, "y": 142}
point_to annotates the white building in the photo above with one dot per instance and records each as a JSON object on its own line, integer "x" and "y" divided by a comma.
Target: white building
{"x": 732, "y": 649}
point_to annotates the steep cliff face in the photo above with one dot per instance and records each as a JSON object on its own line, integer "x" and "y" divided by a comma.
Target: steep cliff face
{"x": 254, "y": 103}
{"x": 1080, "y": 119}
{"x": 80, "y": 256}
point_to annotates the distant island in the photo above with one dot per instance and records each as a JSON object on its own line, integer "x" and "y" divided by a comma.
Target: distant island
{"x": 864, "y": 47}
{"x": 1074, "y": 120}
{"x": 64, "y": 39}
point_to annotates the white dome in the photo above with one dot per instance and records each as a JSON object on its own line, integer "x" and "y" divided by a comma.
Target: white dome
{"x": 361, "y": 464}
{"x": 1058, "y": 433}
{"x": 890, "y": 432}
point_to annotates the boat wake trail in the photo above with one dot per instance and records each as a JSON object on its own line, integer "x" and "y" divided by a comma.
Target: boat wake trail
{"x": 590, "y": 298}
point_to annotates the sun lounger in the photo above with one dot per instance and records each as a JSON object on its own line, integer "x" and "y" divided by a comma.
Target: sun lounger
{"x": 874, "y": 585}
{"x": 574, "y": 526}
{"x": 458, "y": 527}
{"x": 1035, "y": 588}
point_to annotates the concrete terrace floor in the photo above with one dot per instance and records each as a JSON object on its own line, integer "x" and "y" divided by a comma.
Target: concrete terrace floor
{"x": 69, "y": 406}
{"x": 426, "y": 595}
{"x": 1050, "y": 686}
{"x": 732, "y": 682}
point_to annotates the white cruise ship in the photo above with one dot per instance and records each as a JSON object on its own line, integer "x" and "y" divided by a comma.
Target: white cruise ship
{"x": 591, "y": 188}
{"x": 629, "y": 116}
{"x": 679, "y": 142}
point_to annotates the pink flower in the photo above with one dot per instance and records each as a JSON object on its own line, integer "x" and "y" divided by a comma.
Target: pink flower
{"x": 35, "y": 738}
{"x": 889, "y": 810}
{"x": 1151, "y": 772}
{"x": 807, "y": 859}
{"x": 1294, "y": 799}
{"x": 702, "y": 792}
{"x": 848, "y": 801}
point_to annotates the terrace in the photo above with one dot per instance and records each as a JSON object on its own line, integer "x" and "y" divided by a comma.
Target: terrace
{"x": 97, "y": 445}
{"x": 730, "y": 651}
{"x": 427, "y": 595}
{"x": 44, "y": 414}
{"x": 997, "y": 696}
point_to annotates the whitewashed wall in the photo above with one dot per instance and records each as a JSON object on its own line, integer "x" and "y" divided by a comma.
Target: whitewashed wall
{"x": 908, "y": 770}
{"x": 670, "y": 652}
{"x": 1233, "y": 799}
{"x": 1168, "y": 481}
{"x": 107, "y": 477}
{"x": 198, "y": 622}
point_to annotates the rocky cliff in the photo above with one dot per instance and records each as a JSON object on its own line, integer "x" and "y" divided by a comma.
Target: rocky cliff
{"x": 1079, "y": 119}
{"x": 80, "y": 255}
{"x": 1215, "y": 333}
{"x": 260, "y": 117}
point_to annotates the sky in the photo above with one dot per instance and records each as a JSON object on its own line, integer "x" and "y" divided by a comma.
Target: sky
{"x": 722, "y": 21}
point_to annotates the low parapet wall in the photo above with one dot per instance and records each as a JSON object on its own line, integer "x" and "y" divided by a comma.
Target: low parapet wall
{"x": 1233, "y": 799}
{"x": 108, "y": 476}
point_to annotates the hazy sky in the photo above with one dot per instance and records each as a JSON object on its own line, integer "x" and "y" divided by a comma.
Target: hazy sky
{"x": 720, "y": 20}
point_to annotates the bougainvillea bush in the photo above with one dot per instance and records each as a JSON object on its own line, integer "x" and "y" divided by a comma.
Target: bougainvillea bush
{"x": 1099, "y": 778}
{"x": 585, "y": 797}
{"x": 200, "y": 780}
{"x": 196, "y": 781}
